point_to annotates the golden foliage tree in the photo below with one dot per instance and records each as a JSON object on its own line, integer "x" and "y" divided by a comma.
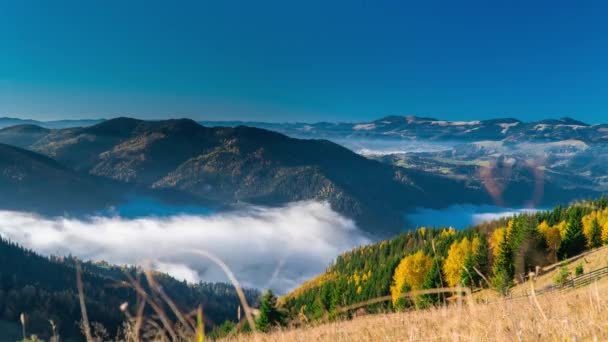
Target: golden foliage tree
{"x": 459, "y": 252}
{"x": 498, "y": 237}
{"x": 410, "y": 274}
{"x": 553, "y": 236}
{"x": 601, "y": 216}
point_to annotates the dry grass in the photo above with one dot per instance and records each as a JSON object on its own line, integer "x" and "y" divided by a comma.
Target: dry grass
{"x": 591, "y": 260}
{"x": 576, "y": 315}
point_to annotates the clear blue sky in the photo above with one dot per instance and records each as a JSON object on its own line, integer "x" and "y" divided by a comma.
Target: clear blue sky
{"x": 304, "y": 60}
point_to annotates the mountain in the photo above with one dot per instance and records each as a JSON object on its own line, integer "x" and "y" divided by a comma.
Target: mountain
{"x": 556, "y": 159}
{"x": 397, "y": 127}
{"x": 23, "y": 135}
{"x": 56, "y": 124}
{"x": 245, "y": 164}
{"x": 421, "y": 128}
{"x": 45, "y": 289}
{"x": 31, "y": 181}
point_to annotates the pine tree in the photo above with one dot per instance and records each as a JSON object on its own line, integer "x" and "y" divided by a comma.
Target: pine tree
{"x": 433, "y": 280}
{"x": 574, "y": 239}
{"x": 504, "y": 269}
{"x": 269, "y": 313}
{"x": 596, "y": 235}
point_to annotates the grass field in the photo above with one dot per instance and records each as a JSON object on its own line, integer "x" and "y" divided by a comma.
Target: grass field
{"x": 578, "y": 315}
{"x": 568, "y": 315}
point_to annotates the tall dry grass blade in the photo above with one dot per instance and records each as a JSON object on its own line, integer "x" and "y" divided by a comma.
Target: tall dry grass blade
{"x": 139, "y": 316}
{"x": 200, "y": 326}
{"x": 233, "y": 280}
{"x": 155, "y": 306}
{"x": 159, "y": 289}
{"x": 83, "y": 308}
{"x": 23, "y": 321}
{"x": 535, "y": 300}
{"x": 482, "y": 277}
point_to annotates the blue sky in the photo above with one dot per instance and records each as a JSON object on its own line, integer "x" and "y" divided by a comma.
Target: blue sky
{"x": 304, "y": 60}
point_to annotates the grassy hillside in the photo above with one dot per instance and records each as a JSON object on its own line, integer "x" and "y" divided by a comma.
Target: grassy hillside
{"x": 578, "y": 315}
{"x": 497, "y": 255}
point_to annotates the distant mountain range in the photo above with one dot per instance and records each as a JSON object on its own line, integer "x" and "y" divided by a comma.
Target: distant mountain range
{"x": 397, "y": 127}
{"x": 419, "y": 128}
{"x": 7, "y": 122}
{"x": 241, "y": 164}
{"x": 229, "y": 164}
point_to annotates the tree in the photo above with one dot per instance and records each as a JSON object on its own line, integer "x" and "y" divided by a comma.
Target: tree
{"x": 410, "y": 274}
{"x": 269, "y": 313}
{"x": 462, "y": 256}
{"x": 553, "y": 237}
{"x": 574, "y": 240}
{"x": 432, "y": 280}
{"x": 504, "y": 269}
{"x": 595, "y": 239}
{"x": 592, "y": 227}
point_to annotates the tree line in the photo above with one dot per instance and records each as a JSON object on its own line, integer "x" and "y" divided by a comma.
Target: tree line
{"x": 496, "y": 254}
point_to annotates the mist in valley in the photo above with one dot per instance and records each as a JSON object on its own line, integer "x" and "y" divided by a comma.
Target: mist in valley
{"x": 276, "y": 248}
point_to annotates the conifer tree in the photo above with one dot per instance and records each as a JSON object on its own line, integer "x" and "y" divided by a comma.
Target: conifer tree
{"x": 269, "y": 313}
{"x": 596, "y": 235}
{"x": 504, "y": 269}
{"x": 574, "y": 239}
{"x": 432, "y": 280}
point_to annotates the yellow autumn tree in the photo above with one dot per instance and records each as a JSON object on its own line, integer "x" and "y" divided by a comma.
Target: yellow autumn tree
{"x": 445, "y": 233}
{"x": 601, "y": 216}
{"x": 498, "y": 236}
{"x": 605, "y": 233}
{"x": 410, "y": 273}
{"x": 459, "y": 251}
{"x": 553, "y": 236}
{"x": 562, "y": 227}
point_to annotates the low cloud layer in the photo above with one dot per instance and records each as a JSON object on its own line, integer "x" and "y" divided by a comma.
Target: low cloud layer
{"x": 275, "y": 248}
{"x": 380, "y": 147}
{"x": 461, "y": 216}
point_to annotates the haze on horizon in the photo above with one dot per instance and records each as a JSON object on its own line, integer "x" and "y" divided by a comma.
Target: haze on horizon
{"x": 280, "y": 61}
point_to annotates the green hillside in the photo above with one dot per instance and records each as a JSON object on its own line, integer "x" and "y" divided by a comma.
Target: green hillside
{"x": 45, "y": 289}
{"x": 502, "y": 251}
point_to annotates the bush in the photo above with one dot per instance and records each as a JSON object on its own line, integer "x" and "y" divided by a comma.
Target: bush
{"x": 579, "y": 270}
{"x": 563, "y": 275}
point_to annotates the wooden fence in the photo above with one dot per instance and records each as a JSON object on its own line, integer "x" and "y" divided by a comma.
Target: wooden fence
{"x": 586, "y": 279}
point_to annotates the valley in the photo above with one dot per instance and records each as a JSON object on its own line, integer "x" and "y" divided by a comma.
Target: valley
{"x": 289, "y": 204}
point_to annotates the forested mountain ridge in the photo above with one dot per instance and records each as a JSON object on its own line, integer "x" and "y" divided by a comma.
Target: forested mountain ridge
{"x": 503, "y": 251}
{"x": 231, "y": 164}
{"x": 45, "y": 289}
{"x": 31, "y": 181}
{"x": 411, "y": 127}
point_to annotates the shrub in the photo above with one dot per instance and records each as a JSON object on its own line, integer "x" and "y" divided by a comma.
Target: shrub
{"x": 561, "y": 277}
{"x": 579, "y": 270}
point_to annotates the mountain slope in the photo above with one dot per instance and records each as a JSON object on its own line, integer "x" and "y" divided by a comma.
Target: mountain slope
{"x": 45, "y": 289}
{"x": 22, "y": 135}
{"x": 30, "y": 181}
{"x": 233, "y": 164}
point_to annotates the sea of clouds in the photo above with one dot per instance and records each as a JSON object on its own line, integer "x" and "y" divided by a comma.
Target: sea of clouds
{"x": 382, "y": 147}
{"x": 462, "y": 216}
{"x": 276, "y": 248}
